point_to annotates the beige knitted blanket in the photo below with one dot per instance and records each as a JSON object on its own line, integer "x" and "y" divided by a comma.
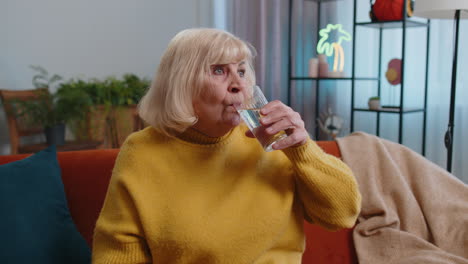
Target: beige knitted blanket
{"x": 412, "y": 210}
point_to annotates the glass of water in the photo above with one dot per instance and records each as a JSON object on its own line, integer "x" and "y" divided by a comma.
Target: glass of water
{"x": 250, "y": 113}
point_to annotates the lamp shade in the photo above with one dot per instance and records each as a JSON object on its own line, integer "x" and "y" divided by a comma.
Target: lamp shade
{"x": 440, "y": 9}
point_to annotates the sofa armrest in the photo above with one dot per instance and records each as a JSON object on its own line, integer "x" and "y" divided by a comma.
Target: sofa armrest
{"x": 330, "y": 147}
{"x": 323, "y": 246}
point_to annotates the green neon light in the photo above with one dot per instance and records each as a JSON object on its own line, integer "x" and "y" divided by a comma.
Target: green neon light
{"x": 326, "y": 47}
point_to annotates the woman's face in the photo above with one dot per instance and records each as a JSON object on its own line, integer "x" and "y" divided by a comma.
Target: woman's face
{"x": 215, "y": 107}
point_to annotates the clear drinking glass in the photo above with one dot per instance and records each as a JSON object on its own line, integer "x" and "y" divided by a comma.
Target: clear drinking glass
{"x": 250, "y": 113}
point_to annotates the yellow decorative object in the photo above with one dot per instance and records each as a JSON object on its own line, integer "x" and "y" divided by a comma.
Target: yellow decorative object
{"x": 391, "y": 75}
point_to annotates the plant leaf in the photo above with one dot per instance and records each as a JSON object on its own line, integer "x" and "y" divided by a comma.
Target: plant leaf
{"x": 39, "y": 69}
{"x": 55, "y": 78}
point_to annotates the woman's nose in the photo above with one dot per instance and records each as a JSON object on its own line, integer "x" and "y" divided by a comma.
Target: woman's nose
{"x": 234, "y": 89}
{"x": 237, "y": 84}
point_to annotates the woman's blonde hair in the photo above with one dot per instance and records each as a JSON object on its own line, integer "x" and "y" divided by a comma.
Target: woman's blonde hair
{"x": 183, "y": 73}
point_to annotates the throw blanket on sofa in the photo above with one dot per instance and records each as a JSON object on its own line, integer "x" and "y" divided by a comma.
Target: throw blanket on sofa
{"x": 412, "y": 210}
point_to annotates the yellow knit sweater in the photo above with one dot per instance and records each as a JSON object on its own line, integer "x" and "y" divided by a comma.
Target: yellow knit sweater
{"x": 195, "y": 199}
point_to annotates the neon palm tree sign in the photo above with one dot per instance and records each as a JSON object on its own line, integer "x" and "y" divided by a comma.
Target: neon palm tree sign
{"x": 327, "y": 48}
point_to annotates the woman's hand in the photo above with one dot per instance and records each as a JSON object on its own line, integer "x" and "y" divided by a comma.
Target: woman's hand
{"x": 278, "y": 117}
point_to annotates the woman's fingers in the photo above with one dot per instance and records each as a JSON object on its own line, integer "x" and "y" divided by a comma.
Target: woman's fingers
{"x": 271, "y": 106}
{"x": 249, "y": 134}
{"x": 280, "y": 117}
{"x": 278, "y": 126}
{"x": 295, "y": 139}
{"x": 277, "y": 117}
{"x": 274, "y": 112}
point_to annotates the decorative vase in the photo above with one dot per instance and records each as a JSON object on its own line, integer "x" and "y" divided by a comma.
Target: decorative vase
{"x": 55, "y": 135}
{"x": 323, "y": 65}
{"x": 314, "y": 68}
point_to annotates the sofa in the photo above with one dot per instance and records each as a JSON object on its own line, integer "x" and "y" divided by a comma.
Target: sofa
{"x": 86, "y": 174}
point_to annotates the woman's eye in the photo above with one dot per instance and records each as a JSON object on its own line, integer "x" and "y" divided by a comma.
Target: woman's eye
{"x": 218, "y": 70}
{"x": 241, "y": 73}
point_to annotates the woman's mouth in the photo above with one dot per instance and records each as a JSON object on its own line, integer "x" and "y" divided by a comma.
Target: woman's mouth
{"x": 232, "y": 108}
{"x": 235, "y": 105}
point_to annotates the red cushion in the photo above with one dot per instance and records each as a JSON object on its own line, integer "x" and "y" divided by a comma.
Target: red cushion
{"x": 86, "y": 175}
{"x": 330, "y": 147}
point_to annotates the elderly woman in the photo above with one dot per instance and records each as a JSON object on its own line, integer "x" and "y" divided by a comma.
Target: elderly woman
{"x": 195, "y": 187}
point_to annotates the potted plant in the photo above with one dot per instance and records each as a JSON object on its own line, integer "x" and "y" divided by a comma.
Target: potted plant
{"x": 89, "y": 124}
{"x": 130, "y": 89}
{"x": 49, "y": 110}
{"x": 111, "y": 107}
{"x": 42, "y": 79}
{"x": 374, "y": 103}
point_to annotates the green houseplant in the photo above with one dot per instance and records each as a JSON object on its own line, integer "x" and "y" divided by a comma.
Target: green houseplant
{"x": 126, "y": 93}
{"x": 50, "y": 110}
{"x": 109, "y": 106}
{"x": 97, "y": 110}
{"x": 94, "y": 106}
{"x": 42, "y": 79}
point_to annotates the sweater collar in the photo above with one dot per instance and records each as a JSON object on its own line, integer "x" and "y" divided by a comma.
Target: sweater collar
{"x": 194, "y": 136}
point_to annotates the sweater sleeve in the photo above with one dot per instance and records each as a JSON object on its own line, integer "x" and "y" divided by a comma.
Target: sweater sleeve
{"x": 326, "y": 187}
{"x": 118, "y": 236}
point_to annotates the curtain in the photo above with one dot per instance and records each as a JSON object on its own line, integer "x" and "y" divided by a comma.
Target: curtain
{"x": 440, "y": 76}
{"x": 264, "y": 24}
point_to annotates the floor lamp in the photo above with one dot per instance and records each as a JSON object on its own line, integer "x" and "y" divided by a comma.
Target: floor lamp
{"x": 446, "y": 9}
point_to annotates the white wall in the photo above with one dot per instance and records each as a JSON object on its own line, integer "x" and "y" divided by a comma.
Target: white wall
{"x": 3, "y": 37}
{"x": 3, "y": 19}
{"x": 88, "y": 38}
